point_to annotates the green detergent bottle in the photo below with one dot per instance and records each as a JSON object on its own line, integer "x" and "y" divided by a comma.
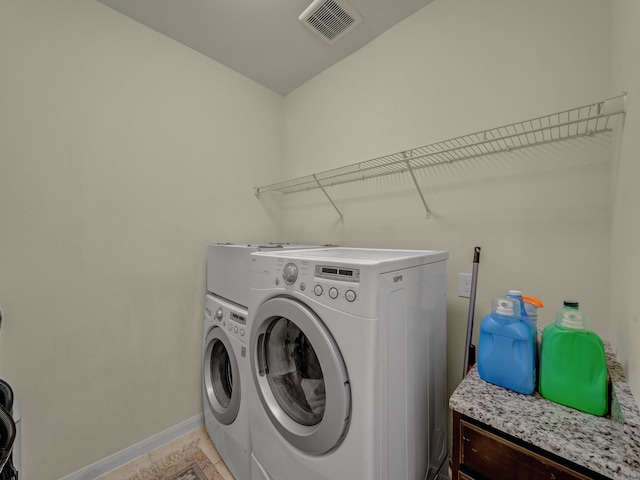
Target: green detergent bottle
{"x": 573, "y": 366}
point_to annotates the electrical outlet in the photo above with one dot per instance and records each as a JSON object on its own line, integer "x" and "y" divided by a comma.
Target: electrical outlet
{"x": 464, "y": 285}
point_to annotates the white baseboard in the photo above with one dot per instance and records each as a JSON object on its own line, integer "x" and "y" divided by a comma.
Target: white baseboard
{"x": 145, "y": 446}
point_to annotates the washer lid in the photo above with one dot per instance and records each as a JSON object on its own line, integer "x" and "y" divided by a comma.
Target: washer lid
{"x": 384, "y": 260}
{"x": 300, "y": 375}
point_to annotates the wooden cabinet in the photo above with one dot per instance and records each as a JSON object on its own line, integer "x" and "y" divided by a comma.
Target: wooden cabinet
{"x": 484, "y": 453}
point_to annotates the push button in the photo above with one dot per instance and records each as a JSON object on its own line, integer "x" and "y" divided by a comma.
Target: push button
{"x": 333, "y": 293}
{"x": 350, "y": 295}
{"x": 318, "y": 290}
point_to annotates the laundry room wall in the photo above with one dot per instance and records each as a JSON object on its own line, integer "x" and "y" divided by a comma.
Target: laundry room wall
{"x": 542, "y": 216}
{"x": 122, "y": 154}
{"x": 625, "y": 254}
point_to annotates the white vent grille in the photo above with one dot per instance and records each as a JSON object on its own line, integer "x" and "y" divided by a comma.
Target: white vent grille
{"x": 330, "y": 19}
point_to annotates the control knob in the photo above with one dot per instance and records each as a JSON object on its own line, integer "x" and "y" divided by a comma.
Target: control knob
{"x": 290, "y": 273}
{"x": 219, "y": 314}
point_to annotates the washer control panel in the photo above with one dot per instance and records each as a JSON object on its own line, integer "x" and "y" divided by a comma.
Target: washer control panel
{"x": 333, "y": 285}
{"x": 234, "y": 323}
{"x": 343, "y": 274}
{"x": 337, "y": 282}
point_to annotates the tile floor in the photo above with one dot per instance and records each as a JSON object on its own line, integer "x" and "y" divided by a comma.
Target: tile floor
{"x": 144, "y": 461}
{"x": 204, "y": 443}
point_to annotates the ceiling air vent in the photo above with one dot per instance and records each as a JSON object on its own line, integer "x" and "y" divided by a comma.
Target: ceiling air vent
{"x": 330, "y": 19}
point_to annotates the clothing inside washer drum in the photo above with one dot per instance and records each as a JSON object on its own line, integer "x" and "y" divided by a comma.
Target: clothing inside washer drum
{"x": 221, "y": 376}
{"x": 294, "y": 372}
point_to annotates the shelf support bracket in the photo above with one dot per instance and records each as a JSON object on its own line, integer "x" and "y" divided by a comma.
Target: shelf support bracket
{"x": 415, "y": 182}
{"x": 328, "y": 197}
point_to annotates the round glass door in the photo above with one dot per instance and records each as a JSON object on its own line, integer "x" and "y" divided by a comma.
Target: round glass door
{"x": 300, "y": 375}
{"x": 294, "y": 372}
{"x": 221, "y": 377}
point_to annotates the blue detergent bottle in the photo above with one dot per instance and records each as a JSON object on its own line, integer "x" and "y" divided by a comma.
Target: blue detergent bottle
{"x": 517, "y": 294}
{"x": 527, "y": 319}
{"x": 507, "y": 348}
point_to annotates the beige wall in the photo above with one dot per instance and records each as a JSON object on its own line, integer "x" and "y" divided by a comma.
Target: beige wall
{"x": 542, "y": 216}
{"x": 625, "y": 249}
{"x": 122, "y": 153}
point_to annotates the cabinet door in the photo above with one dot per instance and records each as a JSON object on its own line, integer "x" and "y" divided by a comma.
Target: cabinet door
{"x": 480, "y": 452}
{"x": 497, "y": 457}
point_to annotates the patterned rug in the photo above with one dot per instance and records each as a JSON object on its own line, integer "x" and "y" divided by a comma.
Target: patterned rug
{"x": 188, "y": 463}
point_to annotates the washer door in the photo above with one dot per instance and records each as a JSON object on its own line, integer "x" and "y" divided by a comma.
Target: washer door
{"x": 221, "y": 377}
{"x": 300, "y": 375}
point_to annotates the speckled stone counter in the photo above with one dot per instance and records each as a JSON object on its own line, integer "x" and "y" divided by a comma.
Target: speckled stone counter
{"x": 608, "y": 445}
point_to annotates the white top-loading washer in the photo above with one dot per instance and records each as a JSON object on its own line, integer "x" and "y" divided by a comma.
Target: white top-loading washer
{"x": 347, "y": 354}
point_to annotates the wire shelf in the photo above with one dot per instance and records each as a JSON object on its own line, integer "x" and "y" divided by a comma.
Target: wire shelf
{"x": 588, "y": 120}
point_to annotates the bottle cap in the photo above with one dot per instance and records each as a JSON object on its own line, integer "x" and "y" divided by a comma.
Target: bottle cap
{"x": 535, "y": 301}
{"x": 571, "y": 319}
{"x": 507, "y": 307}
{"x": 571, "y": 304}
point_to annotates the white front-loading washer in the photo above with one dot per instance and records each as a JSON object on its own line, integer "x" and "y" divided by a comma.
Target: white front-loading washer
{"x": 347, "y": 354}
{"x": 225, "y": 383}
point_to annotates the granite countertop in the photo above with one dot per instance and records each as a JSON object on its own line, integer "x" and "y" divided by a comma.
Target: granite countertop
{"x": 609, "y": 445}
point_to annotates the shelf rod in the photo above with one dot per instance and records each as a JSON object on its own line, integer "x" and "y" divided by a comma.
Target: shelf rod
{"x": 489, "y": 145}
{"x": 506, "y": 138}
{"x": 328, "y": 197}
{"x": 503, "y": 137}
